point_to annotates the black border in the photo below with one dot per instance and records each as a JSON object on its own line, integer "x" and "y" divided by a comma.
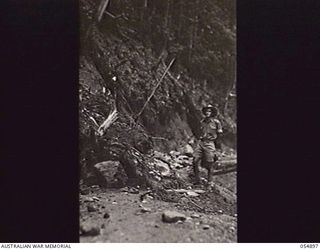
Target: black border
{"x": 39, "y": 120}
{"x": 278, "y": 129}
{"x": 277, "y": 120}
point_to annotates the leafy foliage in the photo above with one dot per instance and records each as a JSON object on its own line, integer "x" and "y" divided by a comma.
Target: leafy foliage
{"x": 124, "y": 55}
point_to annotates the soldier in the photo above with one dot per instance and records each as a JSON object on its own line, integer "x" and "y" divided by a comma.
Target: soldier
{"x": 205, "y": 151}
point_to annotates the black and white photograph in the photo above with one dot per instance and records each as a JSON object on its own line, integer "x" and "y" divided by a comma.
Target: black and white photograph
{"x": 157, "y": 121}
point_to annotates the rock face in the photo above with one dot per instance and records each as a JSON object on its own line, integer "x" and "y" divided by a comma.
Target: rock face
{"x": 172, "y": 216}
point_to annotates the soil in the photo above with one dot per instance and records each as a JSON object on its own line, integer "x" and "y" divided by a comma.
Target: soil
{"x": 123, "y": 216}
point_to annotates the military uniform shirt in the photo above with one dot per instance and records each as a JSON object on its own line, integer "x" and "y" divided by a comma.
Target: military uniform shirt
{"x": 210, "y": 127}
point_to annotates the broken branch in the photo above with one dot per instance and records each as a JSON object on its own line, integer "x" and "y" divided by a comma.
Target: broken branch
{"x": 194, "y": 203}
{"x": 102, "y": 8}
{"x": 225, "y": 171}
{"x": 94, "y": 121}
{"x": 156, "y": 87}
{"x": 107, "y": 123}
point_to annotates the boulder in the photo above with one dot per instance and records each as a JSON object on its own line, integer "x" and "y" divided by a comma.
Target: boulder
{"x": 174, "y": 153}
{"x": 92, "y": 208}
{"x": 88, "y": 199}
{"x": 186, "y": 150}
{"x": 89, "y": 230}
{"x": 177, "y": 165}
{"x": 95, "y": 198}
{"x": 185, "y": 160}
{"x": 173, "y": 216}
{"x": 113, "y": 173}
{"x": 162, "y": 167}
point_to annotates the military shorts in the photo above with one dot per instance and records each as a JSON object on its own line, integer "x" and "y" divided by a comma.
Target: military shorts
{"x": 205, "y": 151}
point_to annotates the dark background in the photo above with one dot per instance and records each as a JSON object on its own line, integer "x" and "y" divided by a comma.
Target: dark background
{"x": 39, "y": 120}
{"x": 278, "y": 48}
{"x": 277, "y": 120}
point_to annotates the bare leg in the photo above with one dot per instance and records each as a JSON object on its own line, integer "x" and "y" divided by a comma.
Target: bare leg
{"x": 210, "y": 170}
{"x": 196, "y": 171}
{"x": 198, "y": 154}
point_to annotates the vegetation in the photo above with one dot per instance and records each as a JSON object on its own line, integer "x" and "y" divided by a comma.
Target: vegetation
{"x": 126, "y": 50}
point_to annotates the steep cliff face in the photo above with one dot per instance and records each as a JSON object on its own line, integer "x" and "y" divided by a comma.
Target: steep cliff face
{"x": 125, "y": 54}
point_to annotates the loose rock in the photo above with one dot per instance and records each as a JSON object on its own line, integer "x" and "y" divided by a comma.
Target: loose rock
{"x": 84, "y": 192}
{"x": 187, "y": 150}
{"x": 89, "y": 230}
{"x": 95, "y": 198}
{"x": 133, "y": 190}
{"x": 174, "y": 153}
{"x": 205, "y": 227}
{"x": 162, "y": 167}
{"x": 195, "y": 216}
{"x": 158, "y": 178}
{"x": 192, "y": 194}
{"x": 145, "y": 209}
{"x": 125, "y": 189}
{"x": 177, "y": 165}
{"x": 172, "y": 216}
{"x": 161, "y": 156}
{"x": 92, "y": 209}
{"x": 106, "y": 216}
{"x": 111, "y": 172}
{"x": 88, "y": 199}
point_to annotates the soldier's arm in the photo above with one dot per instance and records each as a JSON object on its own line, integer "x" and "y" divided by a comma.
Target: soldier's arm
{"x": 219, "y": 126}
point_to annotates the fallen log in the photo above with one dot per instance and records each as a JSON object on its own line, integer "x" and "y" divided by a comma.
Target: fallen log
{"x": 225, "y": 166}
{"x": 224, "y": 171}
{"x": 221, "y": 164}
